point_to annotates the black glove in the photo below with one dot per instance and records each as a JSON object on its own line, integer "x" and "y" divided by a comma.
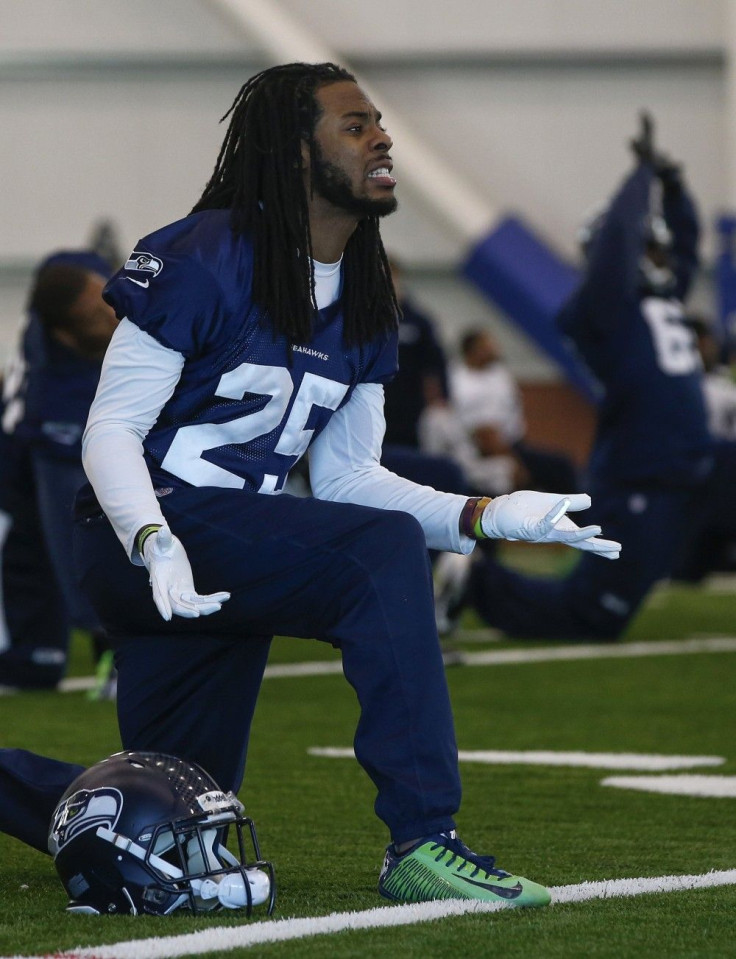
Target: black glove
{"x": 643, "y": 144}
{"x": 667, "y": 171}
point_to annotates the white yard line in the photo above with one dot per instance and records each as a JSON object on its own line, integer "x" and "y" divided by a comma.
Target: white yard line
{"x": 544, "y": 757}
{"x": 498, "y": 657}
{"x": 549, "y": 654}
{"x": 544, "y": 654}
{"x": 712, "y": 787}
{"x": 220, "y": 939}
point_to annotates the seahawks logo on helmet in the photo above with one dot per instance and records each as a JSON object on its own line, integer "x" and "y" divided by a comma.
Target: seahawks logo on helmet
{"x": 86, "y": 809}
{"x": 146, "y": 262}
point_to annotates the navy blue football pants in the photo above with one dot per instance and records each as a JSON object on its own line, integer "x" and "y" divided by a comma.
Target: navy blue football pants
{"x": 41, "y": 595}
{"x": 599, "y": 597}
{"x": 353, "y": 576}
{"x": 32, "y": 598}
{"x": 57, "y": 482}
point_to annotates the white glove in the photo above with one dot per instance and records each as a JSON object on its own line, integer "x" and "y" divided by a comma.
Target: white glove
{"x": 540, "y": 518}
{"x": 171, "y": 579}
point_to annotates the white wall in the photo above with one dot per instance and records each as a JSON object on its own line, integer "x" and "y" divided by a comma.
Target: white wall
{"x": 512, "y": 27}
{"x": 110, "y": 107}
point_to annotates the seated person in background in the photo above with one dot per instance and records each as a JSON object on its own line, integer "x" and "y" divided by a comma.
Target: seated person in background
{"x": 719, "y": 385}
{"x": 710, "y": 539}
{"x": 487, "y": 402}
{"x": 47, "y": 392}
{"x": 441, "y": 434}
{"x": 484, "y": 428}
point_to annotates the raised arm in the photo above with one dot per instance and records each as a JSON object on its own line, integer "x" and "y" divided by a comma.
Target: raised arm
{"x": 682, "y": 218}
{"x": 611, "y": 274}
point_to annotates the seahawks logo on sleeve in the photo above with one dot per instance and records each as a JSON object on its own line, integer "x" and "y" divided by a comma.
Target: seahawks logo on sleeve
{"x": 145, "y": 263}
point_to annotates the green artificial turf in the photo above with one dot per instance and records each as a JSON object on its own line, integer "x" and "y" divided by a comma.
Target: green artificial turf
{"x": 555, "y": 824}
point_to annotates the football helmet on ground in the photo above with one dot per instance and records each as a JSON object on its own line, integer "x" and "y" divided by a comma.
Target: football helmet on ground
{"x": 144, "y": 833}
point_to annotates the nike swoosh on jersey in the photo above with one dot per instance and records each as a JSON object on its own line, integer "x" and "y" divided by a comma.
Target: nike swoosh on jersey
{"x": 143, "y": 283}
{"x": 506, "y": 892}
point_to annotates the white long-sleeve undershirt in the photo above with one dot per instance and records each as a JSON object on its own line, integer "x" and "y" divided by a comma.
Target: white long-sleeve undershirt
{"x": 344, "y": 466}
{"x": 139, "y": 376}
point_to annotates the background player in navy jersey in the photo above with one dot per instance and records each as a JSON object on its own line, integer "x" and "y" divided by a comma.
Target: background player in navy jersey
{"x": 47, "y": 392}
{"x": 652, "y": 451}
{"x": 261, "y": 325}
{"x": 420, "y": 383}
{"x": 421, "y": 380}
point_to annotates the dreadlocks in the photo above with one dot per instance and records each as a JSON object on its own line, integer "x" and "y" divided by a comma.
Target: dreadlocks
{"x": 258, "y": 177}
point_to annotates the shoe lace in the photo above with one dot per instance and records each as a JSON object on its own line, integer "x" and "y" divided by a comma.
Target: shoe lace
{"x": 450, "y": 843}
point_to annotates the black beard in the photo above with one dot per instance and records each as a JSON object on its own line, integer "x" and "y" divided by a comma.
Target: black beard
{"x": 333, "y": 185}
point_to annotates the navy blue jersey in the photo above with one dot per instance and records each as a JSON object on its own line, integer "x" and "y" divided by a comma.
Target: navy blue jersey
{"x": 420, "y": 356}
{"x": 53, "y": 385}
{"x": 248, "y": 403}
{"x": 652, "y": 423}
{"x": 59, "y": 393}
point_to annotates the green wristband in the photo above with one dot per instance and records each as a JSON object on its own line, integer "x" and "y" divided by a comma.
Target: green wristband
{"x": 478, "y": 528}
{"x": 143, "y": 533}
{"x": 470, "y": 524}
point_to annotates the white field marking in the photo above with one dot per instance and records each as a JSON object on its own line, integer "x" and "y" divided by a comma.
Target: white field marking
{"x": 481, "y": 635}
{"x": 720, "y": 583}
{"x": 316, "y": 668}
{"x": 546, "y": 757}
{"x": 544, "y": 654}
{"x": 220, "y": 939}
{"x": 548, "y": 654}
{"x": 713, "y": 787}
{"x": 75, "y": 684}
{"x": 78, "y": 684}
{"x": 495, "y": 657}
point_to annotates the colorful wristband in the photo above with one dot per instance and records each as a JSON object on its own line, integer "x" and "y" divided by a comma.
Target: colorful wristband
{"x": 470, "y": 524}
{"x": 143, "y": 533}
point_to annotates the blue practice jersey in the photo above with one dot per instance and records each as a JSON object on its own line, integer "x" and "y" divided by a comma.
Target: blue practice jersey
{"x": 652, "y": 423}
{"x": 58, "y": 398}
{"x": 50, "y": 386}
{"x": 420, "y": 357}
{"x": 248, "y": 403}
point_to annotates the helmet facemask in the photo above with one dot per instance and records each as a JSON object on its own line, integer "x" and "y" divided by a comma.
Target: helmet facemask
{"x": 191, "y": 868}
{"x": 116, "y": 853}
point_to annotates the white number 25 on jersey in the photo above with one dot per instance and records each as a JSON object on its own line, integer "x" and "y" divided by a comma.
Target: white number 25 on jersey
{"x": 184, "y": 458}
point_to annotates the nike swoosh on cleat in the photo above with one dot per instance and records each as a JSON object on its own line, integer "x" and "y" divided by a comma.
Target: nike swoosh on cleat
{"x": 506, "y": 892}
{"x": 143, "y": 283}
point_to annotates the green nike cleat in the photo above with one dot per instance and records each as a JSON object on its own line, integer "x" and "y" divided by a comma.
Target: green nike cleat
{"x": 442, "y": 867}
